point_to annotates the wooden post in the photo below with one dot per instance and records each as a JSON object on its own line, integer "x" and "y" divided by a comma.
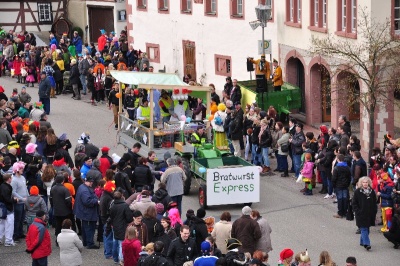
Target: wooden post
{"x": 151, "y": 108}
{"x": 120, "y": 105}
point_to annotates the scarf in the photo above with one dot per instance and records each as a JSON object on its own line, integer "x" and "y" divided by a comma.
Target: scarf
{"x": 366, "y": 191}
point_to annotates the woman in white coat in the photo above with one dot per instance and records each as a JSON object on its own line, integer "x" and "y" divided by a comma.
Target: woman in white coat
{"x": 70, "y": 245}
{"x": 264, "y": 243}
{"x": 222, "y": 231}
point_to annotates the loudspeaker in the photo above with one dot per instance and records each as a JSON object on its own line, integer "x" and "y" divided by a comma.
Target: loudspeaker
{"x": 261, "y": 83}
{"x": 250, "y": 66}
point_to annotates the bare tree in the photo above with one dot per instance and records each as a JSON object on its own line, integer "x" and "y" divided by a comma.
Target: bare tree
{"x": 374, "y": 59}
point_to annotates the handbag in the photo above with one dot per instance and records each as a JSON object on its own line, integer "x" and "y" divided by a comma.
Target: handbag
{"x": 285, "y": 147}
{"x": 3, "y": 211}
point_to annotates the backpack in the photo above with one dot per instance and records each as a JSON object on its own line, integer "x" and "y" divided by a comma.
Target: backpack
{"x": 218, "y": 121}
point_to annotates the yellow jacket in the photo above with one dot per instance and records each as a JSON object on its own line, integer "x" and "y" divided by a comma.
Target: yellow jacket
{"x": 266, "y": 71}
{"x": 278, "y": 80}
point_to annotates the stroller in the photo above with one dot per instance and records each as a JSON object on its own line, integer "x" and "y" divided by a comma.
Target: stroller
{"x": 67, "y": 87}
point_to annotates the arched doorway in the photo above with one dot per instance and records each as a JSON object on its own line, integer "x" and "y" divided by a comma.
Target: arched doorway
{"x": 295, "y": 76}
{"x": 349, "y": 89}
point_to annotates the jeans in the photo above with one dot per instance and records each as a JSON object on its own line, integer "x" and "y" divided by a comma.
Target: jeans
{"x": 264, "y": 152}
{"x": 342, "y": 195}
{"x": 39, "y": 262}
{"x": 230, "y": 143}
{"x": 46, "y": 104}
{"x": 83, "y": 81}
{"x": 330, "y": 186}
{"x": 131, "y": 113}
{"x": 108, "y": 242}
{"x": 282, "y": 163}
{"x": 7, "y": 228}
{"x": 88, "y": 230}
{"x": 324, "y": 179}
{"x": 178, "y": 200}
{"x": 364, "y": 238}
{"x": 256, "y": 157}
{"x": 297, "y": 164}
{"x": 117, "y": 250}
{"x": 19, "y": 217}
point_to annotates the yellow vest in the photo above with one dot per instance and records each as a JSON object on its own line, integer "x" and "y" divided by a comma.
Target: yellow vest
{"x": 167, "y": 105}
{"x": 185, "y": 104}
{"x": 145, "y": 111}
{"x": 202, "y": 140}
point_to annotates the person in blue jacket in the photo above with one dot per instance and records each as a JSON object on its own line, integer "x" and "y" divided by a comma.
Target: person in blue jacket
{"x": 77, "y": 41}
{"x": 86, "y": 209}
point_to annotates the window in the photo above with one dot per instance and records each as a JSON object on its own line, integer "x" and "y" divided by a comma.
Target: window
{"x": 153, "y": 52}
{"x": 223, "y": 65}
{"x": 186, "y": 6}
{"x": 141, "y": 4}
{"x": 347, "y": 18}
{"x": 45, "y": 13}
{"x": 318, "y": 15}
{"x": 122, "y": 15}
{"x": 163, "y": 6}
{"x": 396, "y": 16}
{"x": 237, "y": 9}
{"x": 293, "y": 13}
{"x": 210, "y": 7}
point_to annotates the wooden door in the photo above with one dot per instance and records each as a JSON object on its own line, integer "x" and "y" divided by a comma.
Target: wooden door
{"x": 189, "y": 59}
{"x": 100, "y": 18}
{"x": 326, "y": 100}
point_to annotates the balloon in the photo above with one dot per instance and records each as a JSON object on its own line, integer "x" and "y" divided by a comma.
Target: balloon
{"x": 183, "y": 117}
{"x": 176, "y": 91}
{"x": 184, "y": 91}
{"x": 188, "y": 119}
{"x": 260, "y": 169}
{"x": 118, "y": 95}
{"x": 211, "y": 118}
{"x": 202, "y": 170}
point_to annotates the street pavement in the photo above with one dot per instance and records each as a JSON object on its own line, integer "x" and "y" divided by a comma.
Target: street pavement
{"x": 298, "y": 222}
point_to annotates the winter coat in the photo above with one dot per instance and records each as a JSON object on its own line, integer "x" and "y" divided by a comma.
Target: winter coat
{"x": 198, "y": 230}
{"x": 6, "y": 196}
{"x": 266, "y": 139}
{"x": 105, "y": 201}
{"x": 236, "y": 127}
{"x": 122, "y": 181}
{"x": 297, "y": 140}
{"x": 264, "y": 243}
{"x": 174, "y": 178}
{"x": 70, "y": 248}
{"x": 358, "y": 170}
{"x": 386, "y": 194}
{"x": 284, "y": 139}
{"x": 247, "y": 231}
{"x": 121, "y": 216}
{"x": 308, "y": 170}
{"x": 347, "y": 128}
{"x": 156, "y": 259}
{"x": 130, "y": 250}
{"x": 364, "y": 207}
{"x": 152, "y": 225}
{"x": 254, "y": 136}
{"x": 60, "y": 200}
{"x": 341, "y": 176}
{"x": 86, "y": 204}
{"x": 344, "y": 141}
{"x": 33, "y": 204}
{"x": 38, "y": 239}
{"x": 142, "y": 175}
{"x": 142, "y": 205}
{"x": 222, "y": 231}
{"x": 179, "y": 252}
{"x": 95, "y": 174}
{"x": 161, "y": 196}
{"x": 236, "y": 94}
{"x": 74, "y": 75}
{"x": 327, "y": 161}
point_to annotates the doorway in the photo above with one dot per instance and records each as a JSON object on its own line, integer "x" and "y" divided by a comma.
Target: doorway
{"x": 326, "y": 100}
{"x": 189, "y": 59}
{"x": 295, "y": 75}
{"x": 100, "y": 18}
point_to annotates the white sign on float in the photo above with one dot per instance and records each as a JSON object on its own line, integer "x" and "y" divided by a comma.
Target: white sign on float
{"x": 233, "y": 185}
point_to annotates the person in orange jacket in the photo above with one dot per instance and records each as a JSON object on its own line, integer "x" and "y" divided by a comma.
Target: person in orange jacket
{"x": 277, "y": 78}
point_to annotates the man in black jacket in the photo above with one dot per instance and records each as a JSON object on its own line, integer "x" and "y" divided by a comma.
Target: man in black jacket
{"x": 341, "y": 179}
{"x": 198, "y": 227}
{"x": 161, "y": 195}
{"x": 156, "y": 259}
{"x": 121, "y": 216}
{"x": 105, "y": 206}
{"x": 183, "y": 248}
{"x": 61, "y": 201}
{"x": 7, "y": 225}
{"x": 122, "y": 180}
{"x": 74, "y": 80}
{"x": 296, "y": 142}
{"x": 236, "y": 131}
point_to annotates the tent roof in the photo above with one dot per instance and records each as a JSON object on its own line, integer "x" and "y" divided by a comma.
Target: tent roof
{"x": 136, "y": 78}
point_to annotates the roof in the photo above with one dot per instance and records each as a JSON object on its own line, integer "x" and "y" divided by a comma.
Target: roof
{"x": 136, "y": 78}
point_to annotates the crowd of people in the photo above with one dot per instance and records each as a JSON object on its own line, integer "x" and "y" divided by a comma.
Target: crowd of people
{"x": 94, "y": 197}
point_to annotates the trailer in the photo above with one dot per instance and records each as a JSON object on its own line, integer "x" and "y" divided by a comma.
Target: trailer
{"x": 226, "y": 180}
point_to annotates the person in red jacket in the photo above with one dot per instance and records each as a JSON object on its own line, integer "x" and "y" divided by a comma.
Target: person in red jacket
{"x": 131, "y": 247}
{"x": 105, "y": 160}
{"x": 38, "y": 242}
{"x": 102, "y": 40}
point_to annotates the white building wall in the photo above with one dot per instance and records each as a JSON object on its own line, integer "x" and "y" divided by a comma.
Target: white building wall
{"x": 212, "y": 35}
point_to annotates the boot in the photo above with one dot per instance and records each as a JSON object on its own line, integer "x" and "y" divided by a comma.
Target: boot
{"x": 285, "y": 174}
{"x": 52, "y": 93}
{"x": 18, "y": 79}
{"x": 304, "y": 189}
{"x": 323, "y": 190}
{"x": 308, "y": 192}
{"x": 384, "y": 221}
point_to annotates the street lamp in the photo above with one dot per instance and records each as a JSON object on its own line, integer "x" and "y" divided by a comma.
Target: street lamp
{"x": 263, "y": 13}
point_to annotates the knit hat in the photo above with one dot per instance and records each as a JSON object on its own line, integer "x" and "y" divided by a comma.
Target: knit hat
{"x": 109, "y": 186}
{"x": 286, "y": 253}
{"x": 34, "y": 191}
{"x": 63, "y": 136}
{"x": 159, "y": 208}
{"x": 246, "y": 210}
{"x": 30, "y": 148}
{"x": 40, "y": 214}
